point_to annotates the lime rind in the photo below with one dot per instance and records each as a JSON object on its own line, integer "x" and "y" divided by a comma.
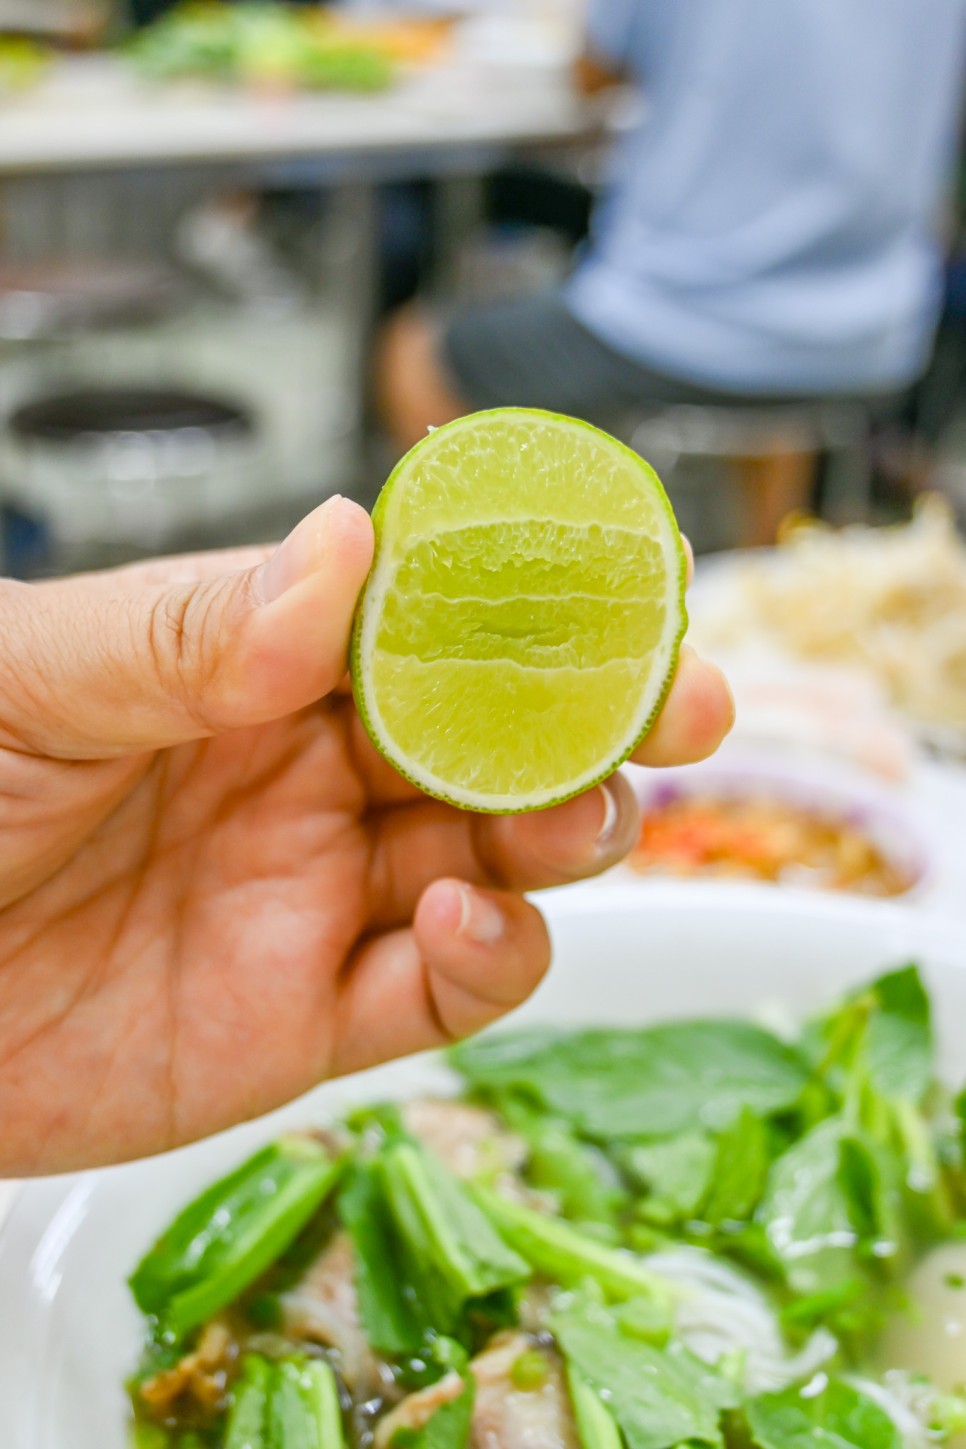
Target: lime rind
{"x": 369, "y": 617}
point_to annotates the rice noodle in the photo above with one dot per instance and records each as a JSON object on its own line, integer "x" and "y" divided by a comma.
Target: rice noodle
{"x": 890, "y": 599}
{"x": 722, "y": 1311}
{"x": 907, "y": 1404}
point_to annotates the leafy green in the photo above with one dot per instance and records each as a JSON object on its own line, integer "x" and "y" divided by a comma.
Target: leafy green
{"x": 841, "y": 1417}
{"x": 220, "y": 1243}
{"x": 739, "y": 1170}
{"x": 248, "y": 1416}
{"x": 585, "y": 1183}
{"x": 883, "y": 1031}
{"x": 656, "y": 1082}
{"x": 389, "y": 1314}
{"x": 675, "y": 1170}
{"x": 449, "y": 1251}
{"x": 596, "y": 1426}
{"x": 899, "y": 1048}
{"x": 659, "y": 1398}
{"x": 291, "y": 1422}
{"x": 805, "y": 1211}
{"x": 563, "y": 1253}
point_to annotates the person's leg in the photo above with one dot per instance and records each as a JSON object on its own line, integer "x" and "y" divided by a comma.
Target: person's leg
{"x": 769, "y": 488}
{"x": 412, "y": 390}
{"x": 531, "y": 352}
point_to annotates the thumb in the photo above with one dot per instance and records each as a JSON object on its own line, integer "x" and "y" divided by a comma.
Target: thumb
{"x": 111, "y": 664}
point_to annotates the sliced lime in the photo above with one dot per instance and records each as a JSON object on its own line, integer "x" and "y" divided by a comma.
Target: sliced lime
{"x": 521, "y": 624}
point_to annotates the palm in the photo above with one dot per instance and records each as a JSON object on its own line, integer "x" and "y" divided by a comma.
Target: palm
{"x": 209, "y": 927}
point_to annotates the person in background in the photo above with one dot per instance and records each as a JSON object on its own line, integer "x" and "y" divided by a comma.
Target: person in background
{"x": 770, "y": 230}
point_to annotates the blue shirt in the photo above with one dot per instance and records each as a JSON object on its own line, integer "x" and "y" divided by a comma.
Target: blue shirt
{"x": 772, "y": 225}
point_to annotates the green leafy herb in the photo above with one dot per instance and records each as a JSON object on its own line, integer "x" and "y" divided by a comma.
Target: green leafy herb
{"x": 247, "y": 1425}
{"x": 884, "y": 1032}
{"x": 565, "y": 1254}
{"x": 839, "y": 1418}
{"x": 899, "y": 1049}
{"x": 448, "y": 1248}
{"x": 390, "y": 1314}
{"x": 739, "y": 1170}
{"x": 651, "y": 1083}
{"x": 596, "y": 1425}
{"x": 223, "y": 1241}
{"x": 675, "y": 1170}
{"x": 660, "y": 1399}
{"x": 806, "y": 1214}
{"x": 585, "y": 1183}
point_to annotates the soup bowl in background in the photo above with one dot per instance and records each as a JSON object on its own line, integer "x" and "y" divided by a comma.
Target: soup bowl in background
{"x": 69, "y": 1332}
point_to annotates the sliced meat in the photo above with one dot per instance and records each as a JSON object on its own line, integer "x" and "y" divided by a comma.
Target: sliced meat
{"x": 504, "y": 1416}
{"x": 323, "y": 1307}
{"x": 201, "y": 1376}
{"x": 470, "y": 1140}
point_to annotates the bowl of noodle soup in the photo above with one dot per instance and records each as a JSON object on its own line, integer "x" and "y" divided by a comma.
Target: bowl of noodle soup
{"x": 624, "y": 961}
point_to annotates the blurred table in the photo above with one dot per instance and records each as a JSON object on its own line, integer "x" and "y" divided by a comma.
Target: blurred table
{"x": 93, "y": 114}
{"x": 94, "y": 158}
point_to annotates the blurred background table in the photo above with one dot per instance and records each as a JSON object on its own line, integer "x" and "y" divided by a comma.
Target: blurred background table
{"x": 102, "y": 166}
{"x": 92, "y": 114}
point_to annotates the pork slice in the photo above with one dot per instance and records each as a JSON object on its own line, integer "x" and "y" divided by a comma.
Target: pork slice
{"x": 504, "y": 1416}
{"x": 471, "y": 1141}
{"x": 323, "y": 1307}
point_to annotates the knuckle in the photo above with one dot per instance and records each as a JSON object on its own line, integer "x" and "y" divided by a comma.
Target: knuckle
{"x": 187, "y": 648}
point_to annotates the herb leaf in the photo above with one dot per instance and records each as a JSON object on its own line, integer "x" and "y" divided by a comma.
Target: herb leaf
{"x": 220, "y": 1243}
{"x": 390, "y": 1317}
{"x": 676, "y": 1170}
{"x": 657, "y": 1082}
{"x": 739, "y": 1170}
{"x": 449, "y": 1250}
{"x": 805, "y": 1211}
{"x": 900, "y": 1045}
{"x": 659, "y": 1398}
{"x": 841, "y": 1417}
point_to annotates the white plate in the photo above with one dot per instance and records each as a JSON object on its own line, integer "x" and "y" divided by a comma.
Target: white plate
{"x": 718, "y": 593}
{"x": 68, "y": 1332}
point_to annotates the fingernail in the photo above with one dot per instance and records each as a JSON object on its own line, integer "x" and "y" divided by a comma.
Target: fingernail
{"x": 732, "y": 701}
{"x": 296, "y": 558}
{"x": 608, "y": 825}
{"x": 481, "y": 921}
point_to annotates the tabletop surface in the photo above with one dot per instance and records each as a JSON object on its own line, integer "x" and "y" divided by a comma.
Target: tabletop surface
{"x": 94, "y": 112}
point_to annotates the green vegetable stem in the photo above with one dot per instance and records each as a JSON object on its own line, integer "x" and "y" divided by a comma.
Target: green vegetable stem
{"x": 293, "y": 1404}
{"x": 227, "y": 1237}
{"x": 560, "y": 1251}
{"x": 450, "y": 1251}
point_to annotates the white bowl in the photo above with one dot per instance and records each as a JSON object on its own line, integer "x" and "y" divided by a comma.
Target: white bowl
{"x": 68, "y": 1331}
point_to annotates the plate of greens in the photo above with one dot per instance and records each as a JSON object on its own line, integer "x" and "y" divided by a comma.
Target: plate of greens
{"x": 707, "y": 1189}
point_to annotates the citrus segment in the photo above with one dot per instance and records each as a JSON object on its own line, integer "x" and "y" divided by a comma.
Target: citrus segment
{"x": 521, "y": 623}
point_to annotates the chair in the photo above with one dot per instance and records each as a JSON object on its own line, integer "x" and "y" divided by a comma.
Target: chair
{"x": 771, "y": 449}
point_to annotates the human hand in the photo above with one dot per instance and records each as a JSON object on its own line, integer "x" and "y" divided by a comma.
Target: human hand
{"x": 214, "y": 892}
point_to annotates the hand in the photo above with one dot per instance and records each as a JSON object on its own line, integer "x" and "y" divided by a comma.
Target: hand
{"x": 213, "y": 891}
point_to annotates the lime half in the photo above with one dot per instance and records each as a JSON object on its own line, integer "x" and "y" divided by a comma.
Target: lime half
{"x": 520, "y": 627}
